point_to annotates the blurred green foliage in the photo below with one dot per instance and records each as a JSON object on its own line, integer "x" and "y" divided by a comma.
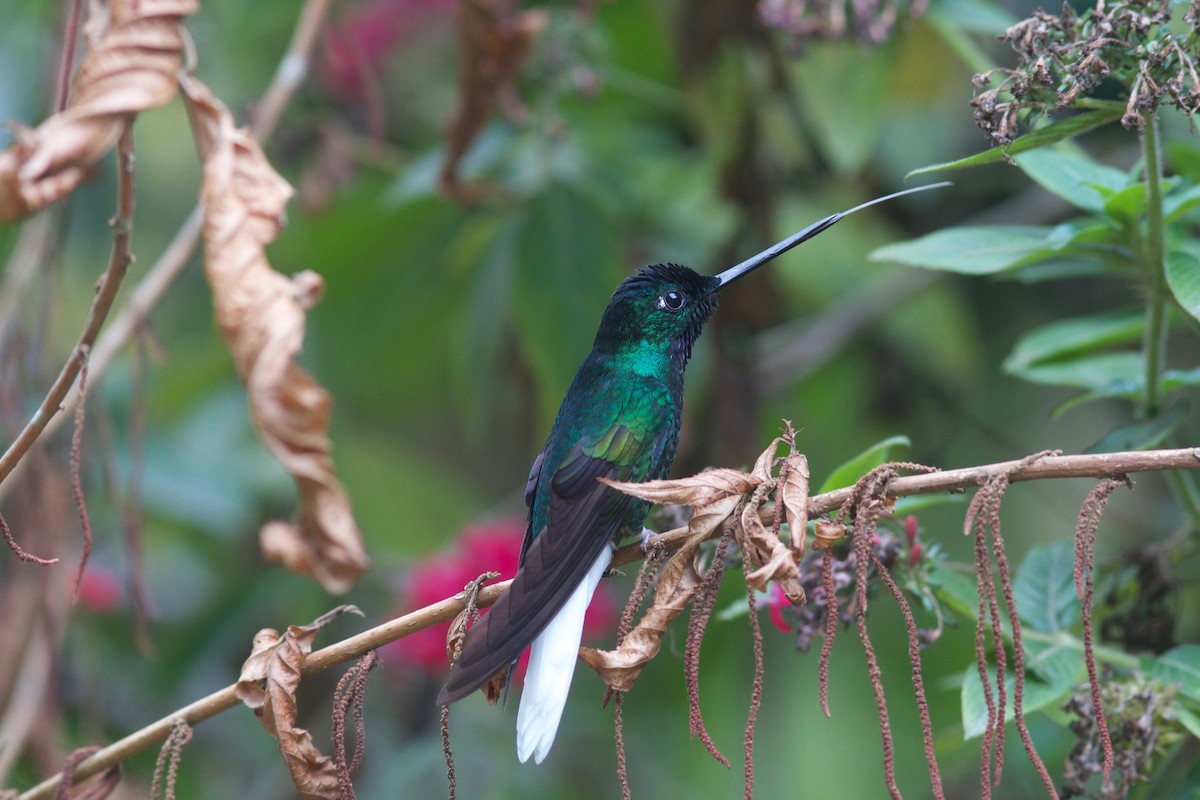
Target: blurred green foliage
{"x": 448, "y": 333}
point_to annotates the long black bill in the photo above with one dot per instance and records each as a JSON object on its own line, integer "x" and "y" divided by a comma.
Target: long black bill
{"x": 754, "y": 262}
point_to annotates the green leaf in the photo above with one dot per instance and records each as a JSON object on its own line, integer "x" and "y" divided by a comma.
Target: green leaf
{"x": 1045, "y": 588}
{"x": 970, "y": 250}
{"x": 1128, "y": 204}
{"x": 1143, "y": 434}
{"x": 956, "y": 590}
{"x": 974, "y": 16}
{"x": 1177, "y": 204}
{"x": 1179, "y": 665}
{"x": 1073, "y": 176}
{"x": 920, "y": 502}
{"x": 1047, "y": 134}
{"x": 1074, "y": 336}
{"x": 1056, "y": 664}
{"x": 1088, "y": 372}
{"x": 1183, "y": 276}
{"x": 1038, "y": 695}
{"x": 1189, "y": 720}
{"x": 849, "y": 472}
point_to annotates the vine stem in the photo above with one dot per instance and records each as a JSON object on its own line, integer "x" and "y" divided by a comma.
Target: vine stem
{"x": 1095, "y": 465}
{"x": 1155, "y": 336}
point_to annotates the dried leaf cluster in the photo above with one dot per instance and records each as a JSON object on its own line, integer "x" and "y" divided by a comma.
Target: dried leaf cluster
{"x": 268, "y": 684}
{"x": 1061, "y": 58}
{"x": 717, "y": 497}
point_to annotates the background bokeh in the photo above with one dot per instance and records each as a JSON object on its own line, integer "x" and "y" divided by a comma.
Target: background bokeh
{"x": 638, "y": 131}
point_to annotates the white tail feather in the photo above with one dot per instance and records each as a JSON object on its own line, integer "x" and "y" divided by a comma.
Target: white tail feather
{"x": 551, "y": 665}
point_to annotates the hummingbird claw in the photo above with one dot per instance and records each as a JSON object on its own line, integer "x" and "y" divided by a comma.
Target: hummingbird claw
{"x": 647, "y": 534}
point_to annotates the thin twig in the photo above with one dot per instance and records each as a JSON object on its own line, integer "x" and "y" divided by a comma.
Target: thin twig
{"x": 106, "y": 293}
{"x": 174, "y": 259}
{"x": 1093, "y": 465}
{"x": 445, "y": 610}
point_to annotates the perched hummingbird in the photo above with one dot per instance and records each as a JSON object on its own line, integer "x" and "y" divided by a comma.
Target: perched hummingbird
{"x": 619, "y": 420}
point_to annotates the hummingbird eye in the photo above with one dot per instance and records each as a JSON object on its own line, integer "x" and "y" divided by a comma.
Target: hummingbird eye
{"x": 672, "y": 301}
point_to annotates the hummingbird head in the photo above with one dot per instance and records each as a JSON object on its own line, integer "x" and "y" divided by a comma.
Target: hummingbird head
{"x": 661, "y": 309}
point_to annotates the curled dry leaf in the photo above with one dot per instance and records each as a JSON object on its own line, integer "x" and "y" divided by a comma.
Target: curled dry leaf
{"x": 135, "y": 50}
{"x": 827, "y": 534}
{"x": 679, "y": 579}
{"x": 698, "y": 491}
{"x": 260, "y": 313}
{"x": 793, "y": 494}
{"x": 268, "y": 683}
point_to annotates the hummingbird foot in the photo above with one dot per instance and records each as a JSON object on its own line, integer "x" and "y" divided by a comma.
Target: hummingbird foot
{"x": 647, "y": 535}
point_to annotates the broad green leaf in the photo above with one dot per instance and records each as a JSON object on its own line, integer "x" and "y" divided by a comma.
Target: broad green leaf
{"x": 1038, "y": 695}
{"x": 1171, "y": 380}
{"x": 1189, "y": 720}
{"x": 849, "y": 472}
{"x": 1073, "y": 176}
{"x": 1128, "y": 204}
{"x": 970, "y": 251}
{"x": 1143, "y": 434}
{"x": 1177, "y": 204}
{"x": 1183, "y": 276}
{"x": 957, "y": 591}
{"x": 1056, "y": 664}
{"x": 1045, "y": 587}
{"x": 920, "y": 502}
{"x": 1087, "y": 372}
{"x": 1179, "y": 665}
{"x": 1074, "y": 336}
{"x": 1183, "y": 154}
{"x": 1047, "y": 134}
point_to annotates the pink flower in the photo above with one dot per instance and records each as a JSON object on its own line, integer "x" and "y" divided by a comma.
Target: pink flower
{"x": 99, "y": 590}
{"x": 358, "y": 45}
{"x": 492, "y": 546}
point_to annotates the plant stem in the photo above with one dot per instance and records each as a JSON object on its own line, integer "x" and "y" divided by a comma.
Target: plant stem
{"x": 1154, "y": 341}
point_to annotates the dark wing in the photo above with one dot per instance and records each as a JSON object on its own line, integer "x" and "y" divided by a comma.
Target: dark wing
{"x": 583, "y": 516}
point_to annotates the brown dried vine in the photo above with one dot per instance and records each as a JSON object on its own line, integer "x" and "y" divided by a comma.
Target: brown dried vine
{"x": 865, "y": 504}
{"x": 348, "y": 698}
{"x": 99, "y": 790}
{"x": 85, "y": 523}
{"x": 1085, "y": 553}
{"x": 757, "y": 692}
{"x": 448, "y": 754}
{"x": 983, "y": 516}
{"x": 166, "y": 768}
{"x": 702, "y": 607}
{"x": 19, "y": 551}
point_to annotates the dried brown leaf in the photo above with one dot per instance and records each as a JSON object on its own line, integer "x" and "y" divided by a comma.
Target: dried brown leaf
{"x": 261, "y": 314}
{"x": 698, "y": 491}
{"x": 135, "y": 51}
{"x": 620, "y": 668}
{"x": 268, "y": 683}
{"x": 793, "y": 495}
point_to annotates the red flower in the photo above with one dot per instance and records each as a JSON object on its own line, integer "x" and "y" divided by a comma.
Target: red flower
{"x": 99, "y": 590}
{"x": 492, "y": 546}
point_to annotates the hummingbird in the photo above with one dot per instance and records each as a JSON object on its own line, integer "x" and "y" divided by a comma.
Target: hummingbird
{"x": 619, "y": 420}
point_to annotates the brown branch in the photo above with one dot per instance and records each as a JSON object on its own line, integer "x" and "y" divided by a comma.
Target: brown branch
{"x": 1096, "y": 465}
{"x": 445, "y": 610}
{"x": 106, "y": 293}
